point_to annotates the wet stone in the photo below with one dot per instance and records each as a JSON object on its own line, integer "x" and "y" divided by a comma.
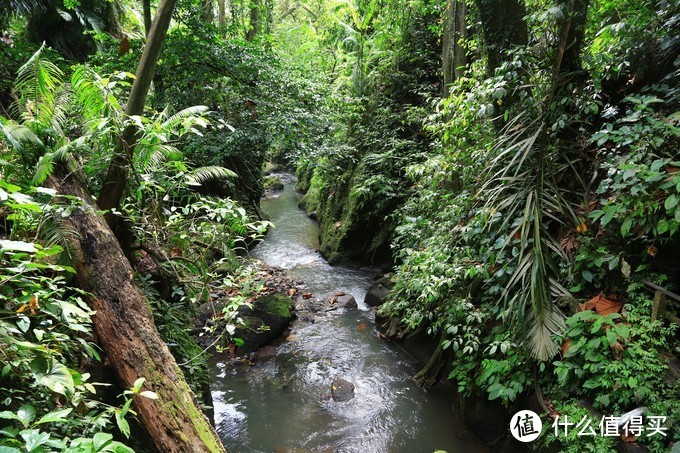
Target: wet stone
{"x": 342, "y": 390}
{"x": 341, "y": 300}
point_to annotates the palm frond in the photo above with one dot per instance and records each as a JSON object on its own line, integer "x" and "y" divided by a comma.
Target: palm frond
{"x": 540, "y": 334}
{"x": 55, "y": 230}
{"x": 16, "y": 134}
{"x": 202, "y": 175}
{"x": 37, "y": 85}
{"x": 43, "y": 168}
{"x": 90, "y": 19}
{"x": 521, "y": 183}
{"x": 178, "y": 118}
{"x": 150, "y": 156}
{"x": 90, "y": 95}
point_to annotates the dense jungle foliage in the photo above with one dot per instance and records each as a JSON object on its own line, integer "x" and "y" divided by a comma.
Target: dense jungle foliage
{"x": 512, "y": 165}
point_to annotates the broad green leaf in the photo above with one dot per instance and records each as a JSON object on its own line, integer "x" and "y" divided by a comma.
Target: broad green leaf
{"x": 8, "y": 415}
{"x": 17, "y": 246}
{"x": 149, "y": 394}
{"x": 587, "y": 275}
{"x": 117, "y": 447}
{"x": 54, "y": 416}
{"x": 610, "y": 213}
{"x": 123, "y": 425}
{"x": 623, "y": 331}
{"x": 671, "y": 202}
{"x": 46, "y": 190}
{"x": 625, "y": 226}
{"x": 30, "y": 346}
{"x": 26, "y": 414}
{"x": 9, "y": 450}
{"x": 34, "y": 439}
{"x": 138, "y": 385}
{"x": 53, "y": 375}
{"x": 611, "y": 337}
{"x": 100, "y": 440}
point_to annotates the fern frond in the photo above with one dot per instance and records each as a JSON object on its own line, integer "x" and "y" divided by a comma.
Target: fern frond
{"x": 16, "y": 134}
{"x": 55, "y": 230}
{"x": 150, "y": 156}
{"x": 540, "y": 334}
{"x": 177, "y": 119}
{"x": 37, "y": 84}
{"x": 202, "y": 175}
{"x": 89, "y": 92}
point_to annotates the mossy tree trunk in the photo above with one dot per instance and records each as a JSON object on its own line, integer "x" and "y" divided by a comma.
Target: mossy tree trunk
{"x": 125, "y": 329}
{"x": 503, "y": 26}
{"x": 454, "y": 58}
{"x": 431, "y": 373}
{"x": 254, "y": 26}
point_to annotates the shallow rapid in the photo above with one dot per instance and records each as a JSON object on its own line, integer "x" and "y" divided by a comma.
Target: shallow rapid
{"x": 284, "y": 405}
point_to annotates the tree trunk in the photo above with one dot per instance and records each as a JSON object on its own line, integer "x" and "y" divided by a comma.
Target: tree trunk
{"x": 432, "y": 371}
{"x": 454, "y": 59}
{"x": 235, "y": 15}
{"x": 572, "y": 32}
{"x": 124, "y": 328}
{"x": 503, "y": 26}
{"x": 220, "y": 13}
{"x": 208, "y": 11}
{"x": 113, "y": 14}
{"x": 254, "y": 27}
{"x": 146, "y": 7}
{"x": 116, "y": 177}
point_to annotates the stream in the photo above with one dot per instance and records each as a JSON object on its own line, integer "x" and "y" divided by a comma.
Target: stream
{"x": 283, "y": 404}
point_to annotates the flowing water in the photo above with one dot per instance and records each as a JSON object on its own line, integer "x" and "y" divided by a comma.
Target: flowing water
{"x": 284, "y": 405}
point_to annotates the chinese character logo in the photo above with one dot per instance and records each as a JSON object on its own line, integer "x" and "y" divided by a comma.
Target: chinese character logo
{"x": 526, "y": 426}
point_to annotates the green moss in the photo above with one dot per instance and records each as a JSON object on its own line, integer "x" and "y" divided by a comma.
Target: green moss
{"x": 311, "y": 200}
{"x": 271, "y": 167}
{"x": 177, "y": 399}
{"x": 275, "y": 305}
{"x": 273, "y": 183}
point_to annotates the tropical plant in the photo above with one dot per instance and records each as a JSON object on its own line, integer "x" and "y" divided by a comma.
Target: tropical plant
{"x": 46, "y": 331}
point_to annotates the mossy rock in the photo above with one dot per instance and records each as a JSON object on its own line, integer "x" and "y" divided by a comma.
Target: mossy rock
{"x": 273, "y": 184}
{"x": 310, "y": 201}
{"x": 274, "y": 307}
{"x": 266, "y": 321}
{"x": 272, "y": 167}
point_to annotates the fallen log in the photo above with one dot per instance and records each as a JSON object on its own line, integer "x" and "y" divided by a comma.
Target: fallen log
{"x": 125, "y": 329}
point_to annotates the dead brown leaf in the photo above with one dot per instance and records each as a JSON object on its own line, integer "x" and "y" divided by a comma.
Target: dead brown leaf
{"x": 603, "y": 305}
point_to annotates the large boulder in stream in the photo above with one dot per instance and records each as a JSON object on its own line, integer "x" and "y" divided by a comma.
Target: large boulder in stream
{"x": 378, "y": 292}
{"x": 272, "y": 184}
{"x": 342, "y": 390}
{"x": 324, "y": 303}
{"x": 485, "y": 418}
{"x": 341, "y": 301}
{"x": 270, "y": 316}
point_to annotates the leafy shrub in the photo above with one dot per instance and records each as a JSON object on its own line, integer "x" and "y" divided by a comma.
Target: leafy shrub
{"x": 46, "y": 337}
